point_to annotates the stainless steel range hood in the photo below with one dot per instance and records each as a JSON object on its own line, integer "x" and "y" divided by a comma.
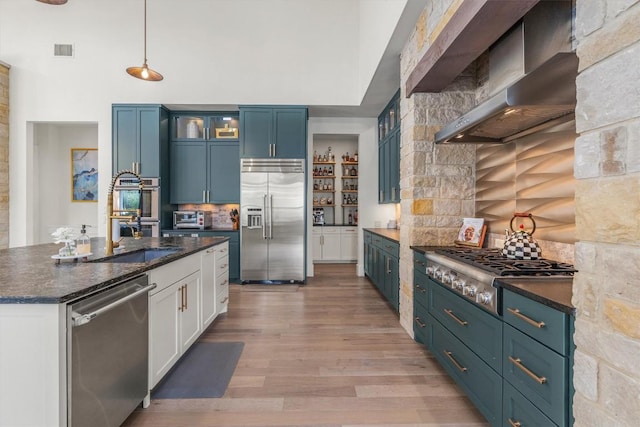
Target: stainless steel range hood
{"x": 533, "y": 73}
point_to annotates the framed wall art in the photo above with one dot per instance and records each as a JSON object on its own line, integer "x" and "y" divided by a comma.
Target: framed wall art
{"x": 84, "y": 174}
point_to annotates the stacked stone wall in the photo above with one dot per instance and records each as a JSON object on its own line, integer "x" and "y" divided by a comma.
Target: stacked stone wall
{"x": 4, "y": 155}
{"x": 607, "y": 168}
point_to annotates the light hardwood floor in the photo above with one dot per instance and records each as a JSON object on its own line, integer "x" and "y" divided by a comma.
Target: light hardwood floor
{"x": 330, "y": 353}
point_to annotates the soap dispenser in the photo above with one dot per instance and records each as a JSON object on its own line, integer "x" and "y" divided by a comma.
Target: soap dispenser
{"x": 83, "y": 243}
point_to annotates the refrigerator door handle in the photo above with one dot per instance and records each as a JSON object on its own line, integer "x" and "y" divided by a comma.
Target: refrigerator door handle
{"x": 265, "y": 221}
{"x": 270, "y": 216}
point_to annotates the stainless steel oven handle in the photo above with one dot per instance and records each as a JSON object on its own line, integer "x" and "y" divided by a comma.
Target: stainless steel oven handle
{"x": 271, "y": 215}
{"x": 78, "y": 319}
{"x": 264, "y": 217}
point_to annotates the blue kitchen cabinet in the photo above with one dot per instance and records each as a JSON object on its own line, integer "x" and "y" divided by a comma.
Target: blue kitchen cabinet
{"x": 188, "y": 172}
{"x": 140, "y": 139}
{"x": 205, "y": 172}
{"x": 273, "y": 132}
{"x": 389, "y": 152}
{"x": 223, "y": 173}
{"x": 210, "y": 126}
{"x": 538, "y": 360}
{"x": 382, "y": 263}
{"x": 421, "y": 317}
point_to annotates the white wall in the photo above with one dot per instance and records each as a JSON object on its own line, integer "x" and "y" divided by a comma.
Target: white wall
{"x": 210, "y": 52}
{"x": 52, "y": 173}
{"x": 370, "y": 213}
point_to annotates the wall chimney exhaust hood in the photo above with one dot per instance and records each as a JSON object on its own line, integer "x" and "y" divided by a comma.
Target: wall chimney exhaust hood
{"x": 531, "y": 80}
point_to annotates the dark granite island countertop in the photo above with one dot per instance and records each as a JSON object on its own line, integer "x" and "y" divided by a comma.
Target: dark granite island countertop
{"x": 28, "y": 275}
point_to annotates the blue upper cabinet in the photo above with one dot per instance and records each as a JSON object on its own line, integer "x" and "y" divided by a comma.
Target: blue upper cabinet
{"x": 140, "y": 138}
{"x": 273, "y": 132}
{"x": 204, "y": 127}
{"x": 205, "y": 158}
{"x": 389, "y": 152}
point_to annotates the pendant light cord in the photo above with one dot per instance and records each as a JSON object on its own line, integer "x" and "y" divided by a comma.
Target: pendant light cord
{"x": 145, "y": 31}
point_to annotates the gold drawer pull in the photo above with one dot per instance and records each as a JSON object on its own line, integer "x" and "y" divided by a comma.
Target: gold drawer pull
{"x": 454, "y": 361}
{"x": 422, "y": 325}
{"x": 530, "y": 321}
{"x": 421, "y": 289}
{"x": 518, "y": 363}
{"x": 225, "y": 300}
{"x": 456, "y": 318}
{"x": 514, "y": 423}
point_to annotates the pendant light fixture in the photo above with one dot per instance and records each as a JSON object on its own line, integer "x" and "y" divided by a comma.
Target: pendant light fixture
{"x": 55, "y": 2}
{"x": 144, "y": 72}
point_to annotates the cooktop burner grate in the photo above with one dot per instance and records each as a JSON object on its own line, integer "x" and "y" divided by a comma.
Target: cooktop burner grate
{"x": 493, "y": 261}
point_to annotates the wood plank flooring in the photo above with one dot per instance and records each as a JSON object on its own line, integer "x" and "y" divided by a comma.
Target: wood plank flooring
{"x": 330, "y": 353}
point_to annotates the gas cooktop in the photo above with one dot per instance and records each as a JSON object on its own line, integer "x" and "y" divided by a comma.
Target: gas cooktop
{"x": 492, "y": 261}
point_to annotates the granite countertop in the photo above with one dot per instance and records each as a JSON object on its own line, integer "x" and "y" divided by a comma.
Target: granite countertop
{"x": 552, "y": 292}
{"x": 28, "y": 275}
{"x": 389, "y": 233}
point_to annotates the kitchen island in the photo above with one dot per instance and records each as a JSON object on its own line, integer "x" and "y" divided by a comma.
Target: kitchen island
{"x": 35, "y": 293}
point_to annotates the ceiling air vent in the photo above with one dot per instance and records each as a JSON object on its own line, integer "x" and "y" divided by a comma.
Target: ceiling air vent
{"x": 63, "y": 50}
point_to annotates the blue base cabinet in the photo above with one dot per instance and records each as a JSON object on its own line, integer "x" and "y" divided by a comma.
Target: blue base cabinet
{"x": 273, "y": 132}
{"x": 382, "y": 264}
{"x": 516, "y": 368}
{"x": 538, "y": 360}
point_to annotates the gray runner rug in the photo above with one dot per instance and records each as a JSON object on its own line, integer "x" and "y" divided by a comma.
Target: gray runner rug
{"x": 204, "y": 371}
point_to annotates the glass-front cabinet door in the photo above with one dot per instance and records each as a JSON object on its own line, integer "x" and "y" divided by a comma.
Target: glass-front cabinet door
{"x": 220, "y": 126}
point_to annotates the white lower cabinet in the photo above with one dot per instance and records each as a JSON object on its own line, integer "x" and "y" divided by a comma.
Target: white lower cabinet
{"x": 214, "y": 267}
{"x": 335, "y": 244}
{"x": 174, "y": 314}
{"x": 222, "y": 278}
{"x": 349, "y": 243}
{"x": 208, "y": 271}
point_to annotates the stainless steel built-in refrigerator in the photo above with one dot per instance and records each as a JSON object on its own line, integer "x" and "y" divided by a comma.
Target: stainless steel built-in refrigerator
{"x": 272, "y": 219}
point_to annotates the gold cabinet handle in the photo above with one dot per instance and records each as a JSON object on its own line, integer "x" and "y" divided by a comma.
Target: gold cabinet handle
{"x": 456, "y": 318}
{"x": 181, "y": 306}
{"x": 454, "y": 361}
{"x": 224, "y": 283}
{"x": 186, "y": 297}
{"x": 421, "y": 289}
{"x": 514, "y": 423}
{"x": 422, "y": 325}
{"x": 529, "y": 320}
{"x": 516, "y": 361}
{"x": 225, "y": 300}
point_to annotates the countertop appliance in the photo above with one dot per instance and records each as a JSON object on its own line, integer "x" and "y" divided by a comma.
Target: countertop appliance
{"x": 472, "y": 272}
{"x": 193, "y": 220}
{"x": 272, "y": 219}
{"x": 108, "y": 349}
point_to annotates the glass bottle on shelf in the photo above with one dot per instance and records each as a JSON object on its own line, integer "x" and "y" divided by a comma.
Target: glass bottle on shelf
{"x": 353, "y": 171}
{"x": 355, "y": 156}
{"x": 350, "y": 217}
{"x": 330, "y": 156}
{"x": 330, "y": 171}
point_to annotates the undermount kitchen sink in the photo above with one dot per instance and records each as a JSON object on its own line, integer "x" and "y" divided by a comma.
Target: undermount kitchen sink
{"x": 140, "y": 255}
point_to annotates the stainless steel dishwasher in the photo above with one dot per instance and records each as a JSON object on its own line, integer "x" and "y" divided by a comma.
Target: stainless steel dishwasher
{"x": 107, "y": 345}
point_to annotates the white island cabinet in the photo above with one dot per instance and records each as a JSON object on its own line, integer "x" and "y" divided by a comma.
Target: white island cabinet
{"x": 182, "y": 305}
{"x": 33, "y": 320}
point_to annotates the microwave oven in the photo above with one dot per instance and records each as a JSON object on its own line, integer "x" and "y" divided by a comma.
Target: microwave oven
{"x": 195, "y": 220}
